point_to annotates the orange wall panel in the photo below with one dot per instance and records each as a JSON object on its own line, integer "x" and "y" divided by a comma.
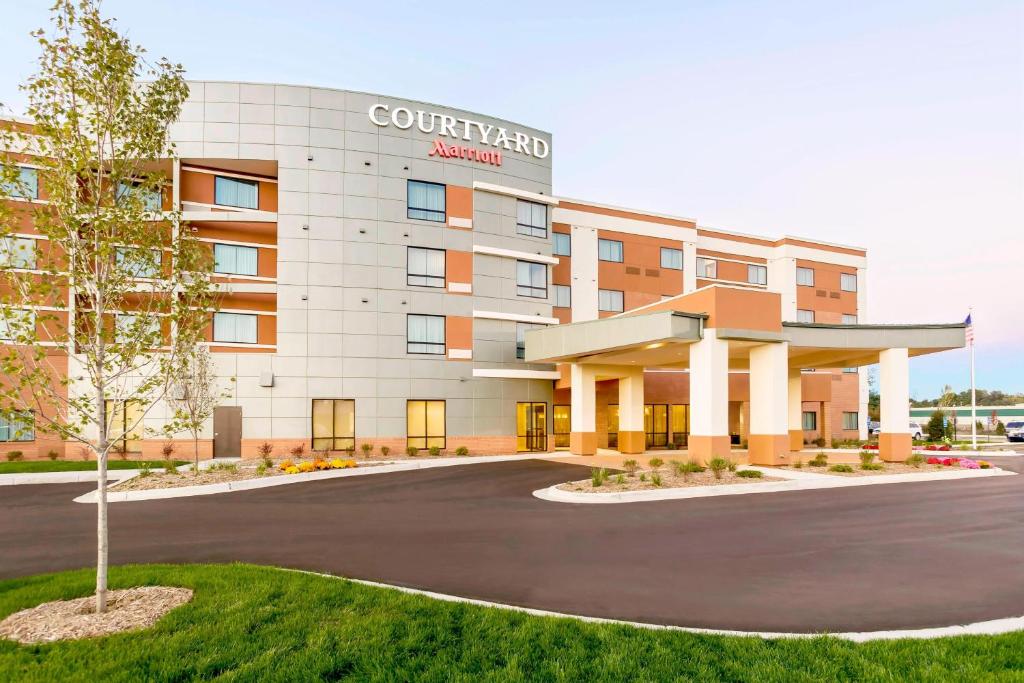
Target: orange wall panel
{"x": 458, "y": 267}
{"x": 458, "y": 332}
{"x": 459, "y": 201}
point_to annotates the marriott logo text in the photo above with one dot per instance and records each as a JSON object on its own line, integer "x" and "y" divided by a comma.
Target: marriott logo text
{"x": 460, "y": 129}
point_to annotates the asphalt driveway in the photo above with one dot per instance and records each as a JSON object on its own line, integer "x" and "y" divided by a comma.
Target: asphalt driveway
{"x": 855, "y": 559}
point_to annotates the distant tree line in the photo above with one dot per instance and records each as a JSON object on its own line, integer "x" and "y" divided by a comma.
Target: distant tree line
{"x": 963, "y": 398}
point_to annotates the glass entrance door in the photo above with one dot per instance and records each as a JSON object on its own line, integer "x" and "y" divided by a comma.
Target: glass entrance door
{"x": 656, "y": 425}
{"x": 562, "y": 425}
{"x": 531, "y": 426}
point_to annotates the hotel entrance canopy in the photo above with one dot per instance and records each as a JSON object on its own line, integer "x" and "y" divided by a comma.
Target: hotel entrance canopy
{"x": 721, "y": 328}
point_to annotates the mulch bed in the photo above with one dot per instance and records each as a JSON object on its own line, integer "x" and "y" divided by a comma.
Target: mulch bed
{"x": 669, "y": 480}
{"x": 127, "y": 610}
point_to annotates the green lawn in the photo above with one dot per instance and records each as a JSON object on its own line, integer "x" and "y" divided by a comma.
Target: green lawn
{"x": 254, "y": 623}
{"x": 36, "y": 466}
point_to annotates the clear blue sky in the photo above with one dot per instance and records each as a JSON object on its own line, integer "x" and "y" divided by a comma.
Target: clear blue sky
{"x": 897, "y": 126}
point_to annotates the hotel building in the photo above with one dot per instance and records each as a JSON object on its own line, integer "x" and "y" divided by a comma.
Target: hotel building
{"x": 400, "y": 273}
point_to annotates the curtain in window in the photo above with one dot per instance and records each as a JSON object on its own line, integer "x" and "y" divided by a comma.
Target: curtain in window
{"x": 234, "y": 327}
{"x": 426, "y": 201}
{"x": 235, "y": 192}
{"x": 425, "y": 334}
{"x": 426, "y": 267}
{"x": 671, "y": 258}
{"x": 609, "y": 250}
{"x": 235, "y": 260}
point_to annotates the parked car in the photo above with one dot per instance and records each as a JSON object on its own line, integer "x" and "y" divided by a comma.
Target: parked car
{"x": 874, "y": 427}
{"x": 1015, "y": 431}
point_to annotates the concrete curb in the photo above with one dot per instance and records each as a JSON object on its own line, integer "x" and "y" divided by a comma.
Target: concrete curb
{"x": 980, "y": 628}
{"x": 72, "y": 477}
{"x": 282, "y": 480}
{"x": 807, "y": 481}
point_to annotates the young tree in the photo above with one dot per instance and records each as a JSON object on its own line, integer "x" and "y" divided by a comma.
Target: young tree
{"x": 193, "y": 396}
{"x": 113, "y": 290}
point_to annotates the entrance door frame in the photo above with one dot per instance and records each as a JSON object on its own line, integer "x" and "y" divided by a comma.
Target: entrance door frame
{"x": 536, "y": 432}
{"x": 227, "y": 421}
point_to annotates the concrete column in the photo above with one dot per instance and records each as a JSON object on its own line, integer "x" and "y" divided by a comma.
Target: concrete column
{"x": 632, "y": 438}
{"x": 825, "y": 430}
{"x": 796, "y": 410}
{"x": 709, "y": 397}
{"x": 894, "y": 444}
{"x": 769, "y": 404}
{"x": 582, "y": 412}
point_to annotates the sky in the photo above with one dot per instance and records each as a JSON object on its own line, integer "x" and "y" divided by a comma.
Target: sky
{"x": 898, "y": 127}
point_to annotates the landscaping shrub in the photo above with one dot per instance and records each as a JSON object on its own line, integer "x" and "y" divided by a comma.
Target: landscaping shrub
{"x": 866, "y": 458}
{"x": 631, "y": 466}
{"x": 1000, "y": 428}
{"x": 915, "y": 460}
{"x": 750, "y": 474}
{"x": 717, "y": 466}
{"x": 598, "y": 475}
{"x": 15, "y": 456}
{"x": 286, "y": 464}
{"x": 685, "y": 469}
{"x": 434, "y": 451}
{"x": 144, "y": 472}
{"x": 655, "y": 479}
{"x": 367, "y": 448}
{"x": 872, "y": 466}
{"x": 261, "y": 469}
{"x": 820, "y": 442}
{"x": 169, "y": 467}
{"x": 798, "y": 464}
{"x": 412, "y": 451}
{"x": 265, "y": 450}
{"x": 385, "y": 450}
{"x": 52, "y": 454}
{"x": 655, "y": 463}
{"x": 461, "y": 450}
{"x": 120, "y": 451}
{"x": 167, "y": 450}
{"x": 731, "y": 464}
{"x": 835, "y": 443}
{"x": 935, "y": 429}
{"x": 84, "y": 452}
{"x": 643, "y": 476}
{"x": 620, "y": 479}
{"x": 298, "y": 451}
{"x": 841, "y": 468}
{"x": 820, "y": 460}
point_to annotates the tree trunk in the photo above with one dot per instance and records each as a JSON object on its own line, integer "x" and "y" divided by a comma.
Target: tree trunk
{"x": 195, "y": 453}
{"x": 101, "y": 510}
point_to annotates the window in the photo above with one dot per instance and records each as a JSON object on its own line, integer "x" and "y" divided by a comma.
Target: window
{"x": 810, "y": 420}
{"x": 425, "y": 201}
{"x": 563, "y": 244}
{"x": 151, "y": 200}
{"x": 672, "y": 258}
{"x": 609, "y": 250}
{"x": 127, "y": 326}
{"x": 124, "y": 424}
{"x": 138, "y": 262}
{"x": 425, "y": 334}
{"x": 425, "y": 267}
{"x": 26, "y": 187}
{"x": 707, "y": 268}
{"x": 851, "y": 371}
{"x": 17, "y": 252}
{"x": 563, "y": 296}
{"x": 849, "y": 319}
{"x": 757, "y": 275}
{"x": 561, "y": 425}
{"x": 848, "y": 282}
{"x": 235, "y": 260}
{"x": 334, "y": 424}
{"x": 609, "y": 300}
{"x": 521, "y": 330}
{"x": 532, "y": 279}
{"x": 531, "y": 219}
{"x": 803, "y": 316}
{"x": 17, "y": 323}
{"x": 243, "y": 194}
{"x": 805, "y": 276}
{"x": 850, "y": 421}
{"x": 17, "y": 427}
{"x": 234, "y": 328}
{"x": 424, "y": 424}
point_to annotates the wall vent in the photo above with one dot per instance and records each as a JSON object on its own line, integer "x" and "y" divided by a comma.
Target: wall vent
{"x": 632, "y": 270}
{"x": 652, "y": 272}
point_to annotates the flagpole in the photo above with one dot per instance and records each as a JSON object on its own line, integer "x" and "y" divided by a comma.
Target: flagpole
{"x": 974, "y": 400}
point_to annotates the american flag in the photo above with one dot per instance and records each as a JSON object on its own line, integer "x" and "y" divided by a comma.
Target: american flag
{"x": 969, "y": 332}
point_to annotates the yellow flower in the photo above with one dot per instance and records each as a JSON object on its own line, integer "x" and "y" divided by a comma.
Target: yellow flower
{"x": 306, "y": 467}
{"x": 338, "y": 464}
{"x": 291, "y": 469}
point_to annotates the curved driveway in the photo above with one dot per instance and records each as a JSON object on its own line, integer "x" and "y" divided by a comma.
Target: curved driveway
{"x": 857, "y": 559}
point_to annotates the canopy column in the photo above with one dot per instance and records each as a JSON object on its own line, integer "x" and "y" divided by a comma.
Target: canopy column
{"x": 632, "y": 435}
{"x": 709, "y": 397}
{"x": 894, "y": 442}
{"x": 769, "y": 404}
{"x": 796, "y": 410}
{"x": 582, "y": 413}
